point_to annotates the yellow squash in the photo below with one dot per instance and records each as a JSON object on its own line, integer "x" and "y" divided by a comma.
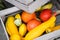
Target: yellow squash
{"x": 56, "y": 28}
{"x": 52, "y": 26}
{"x": 53, "y": 29}
{"x": 10, "y": 26}
{"x": 15, "y": 37}
{"x": 17, "y": 16}
{"x": 38, "y": 31}
{"x": 22, "y": 30}
{"x": 47, "y": 6}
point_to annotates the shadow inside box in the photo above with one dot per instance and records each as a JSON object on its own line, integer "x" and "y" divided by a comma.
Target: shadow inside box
{"x": 58, "y": 20}
{"x": 5, "y": 5}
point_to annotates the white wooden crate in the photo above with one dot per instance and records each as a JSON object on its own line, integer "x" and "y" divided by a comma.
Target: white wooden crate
{"x": 43, "y": 37}
{"x": 29, "y": 7}
{"x": 25, "y": 1}
{"x": 48, "y": 36}
{"x": 8, "y": 11}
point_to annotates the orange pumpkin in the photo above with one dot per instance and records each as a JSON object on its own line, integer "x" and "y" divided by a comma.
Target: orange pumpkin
{"x": 26, "y": 17}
